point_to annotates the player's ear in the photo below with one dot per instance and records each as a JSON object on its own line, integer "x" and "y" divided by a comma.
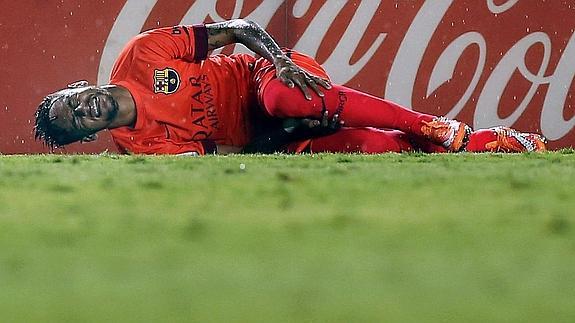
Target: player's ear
{"x": 77, "y": 84}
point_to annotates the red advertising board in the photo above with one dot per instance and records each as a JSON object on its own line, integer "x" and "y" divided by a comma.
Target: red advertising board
{"x": 485, "y": 62}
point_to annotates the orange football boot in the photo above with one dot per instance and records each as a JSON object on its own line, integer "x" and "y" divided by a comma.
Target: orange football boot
{"x": 451, "y": 134}
{"x": 512, "y": 141}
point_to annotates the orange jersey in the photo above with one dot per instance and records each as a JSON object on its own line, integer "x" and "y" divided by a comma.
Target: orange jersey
{"x": 185, "y": 101}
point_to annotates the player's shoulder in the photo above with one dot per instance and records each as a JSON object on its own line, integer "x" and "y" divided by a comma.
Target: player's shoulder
{"x": 232, "y": 58}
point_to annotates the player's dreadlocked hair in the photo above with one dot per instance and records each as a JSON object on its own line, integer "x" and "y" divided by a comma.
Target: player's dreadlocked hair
{"x": 44, "y": 128}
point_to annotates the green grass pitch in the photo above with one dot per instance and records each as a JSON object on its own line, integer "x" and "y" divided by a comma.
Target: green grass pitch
{"x": 322, "y": 238}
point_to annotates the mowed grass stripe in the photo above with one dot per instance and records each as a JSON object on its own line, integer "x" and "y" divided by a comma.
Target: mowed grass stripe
{"x": 283, "y": 238}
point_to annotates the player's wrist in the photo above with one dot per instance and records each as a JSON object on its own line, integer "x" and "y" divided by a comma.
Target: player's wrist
{"x": 281, "y": 60}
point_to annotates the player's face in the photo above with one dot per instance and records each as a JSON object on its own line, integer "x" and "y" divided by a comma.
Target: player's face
{"x": 83, "y": 111}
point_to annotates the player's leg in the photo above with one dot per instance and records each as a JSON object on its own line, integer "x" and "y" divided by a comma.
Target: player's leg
{"x": 354, "y": 140}
{"x": 357, "y": 109}
{"x": 503, "y": 139}
{"x": 426, "y": 146}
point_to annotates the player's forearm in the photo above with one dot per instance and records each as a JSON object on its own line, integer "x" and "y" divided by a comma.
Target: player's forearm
{"x": 248, "y": 33}
{"x": 259, "y": 41}
{"x": 293, "y": 130}
{"x": 269, "y": 143}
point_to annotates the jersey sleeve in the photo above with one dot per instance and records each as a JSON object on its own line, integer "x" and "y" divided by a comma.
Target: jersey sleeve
{"x": 178, "y": 42}
{"x": 160, "y": 146}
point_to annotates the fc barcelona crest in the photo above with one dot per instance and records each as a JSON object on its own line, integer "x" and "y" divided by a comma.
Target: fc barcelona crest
{"x": 166, "y": 81}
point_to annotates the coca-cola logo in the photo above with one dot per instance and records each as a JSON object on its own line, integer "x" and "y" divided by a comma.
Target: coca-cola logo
{"x": 495, "y": 63}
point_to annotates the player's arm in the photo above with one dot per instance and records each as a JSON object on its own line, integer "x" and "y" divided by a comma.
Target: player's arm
{"x": 255, "y": 38}
{"x": 293, "y": 130}
{"x": 164, "y": 146}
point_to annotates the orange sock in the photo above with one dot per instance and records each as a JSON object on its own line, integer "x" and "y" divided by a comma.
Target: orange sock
{"x": 357, "y": 140}
{"x": 356, "y": 109}
{"x": 479, "y": 139}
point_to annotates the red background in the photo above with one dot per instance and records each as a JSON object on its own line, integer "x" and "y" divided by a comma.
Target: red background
{"x": 44, "y": 45}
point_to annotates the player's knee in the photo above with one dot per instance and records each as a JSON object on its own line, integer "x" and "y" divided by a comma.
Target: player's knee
{"x": 281, "y": 101}
{"x": 272, "y": 100}
{"x": 277, "y": 100}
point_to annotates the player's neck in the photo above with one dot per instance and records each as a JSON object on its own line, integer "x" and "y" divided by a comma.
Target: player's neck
{"x": 126, "y": 106}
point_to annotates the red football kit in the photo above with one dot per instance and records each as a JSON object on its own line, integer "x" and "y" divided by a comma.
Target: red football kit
{"x": 184, "y": 102}
{"x": 187, "y": 101}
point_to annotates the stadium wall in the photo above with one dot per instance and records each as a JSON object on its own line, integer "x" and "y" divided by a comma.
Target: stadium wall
{"x": 485, "y": 62}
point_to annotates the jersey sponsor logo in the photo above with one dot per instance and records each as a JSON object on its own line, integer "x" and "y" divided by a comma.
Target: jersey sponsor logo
{"x": 204, "y": 114}
{"x": 166, "y": 81}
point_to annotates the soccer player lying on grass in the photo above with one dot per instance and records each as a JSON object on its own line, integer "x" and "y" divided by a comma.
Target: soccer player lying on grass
{"x": 166, "y": 95}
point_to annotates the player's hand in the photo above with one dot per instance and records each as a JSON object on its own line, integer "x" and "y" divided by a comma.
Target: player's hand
{"x": 293, "y": 130}
{"x": 292, "y": 75}
{"x": 311, "y": 128}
